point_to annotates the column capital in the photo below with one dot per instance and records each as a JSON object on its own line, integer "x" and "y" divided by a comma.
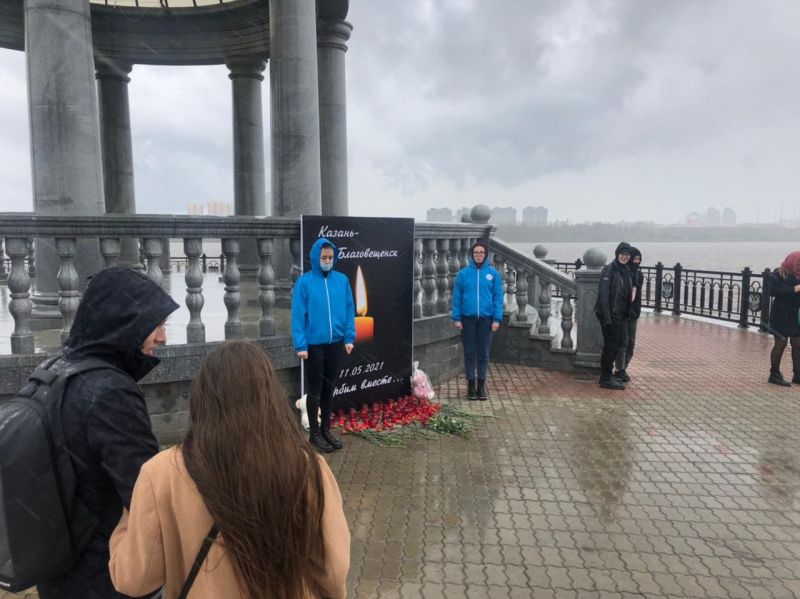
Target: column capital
{"x": 246, "y": 67}
{"x": 333, "y": 33}
{"x": 112, "y": 68}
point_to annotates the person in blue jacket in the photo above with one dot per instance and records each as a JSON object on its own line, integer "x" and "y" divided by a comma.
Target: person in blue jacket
{"x": 477, "y": 313}
{"x": 323, "y": 329}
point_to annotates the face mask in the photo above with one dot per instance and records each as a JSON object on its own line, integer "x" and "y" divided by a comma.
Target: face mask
{"x": 326, "y": 266}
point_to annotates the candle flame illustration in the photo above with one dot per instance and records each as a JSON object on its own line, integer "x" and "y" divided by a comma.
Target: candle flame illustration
{"x": 361, "y": 294}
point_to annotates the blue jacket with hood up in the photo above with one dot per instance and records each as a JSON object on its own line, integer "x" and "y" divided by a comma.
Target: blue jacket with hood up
{"x": 478, "y": 292}
{"x": 323, "y": 310}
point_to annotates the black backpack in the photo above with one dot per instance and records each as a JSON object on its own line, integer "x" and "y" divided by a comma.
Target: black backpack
{"x": 43, "y": 527}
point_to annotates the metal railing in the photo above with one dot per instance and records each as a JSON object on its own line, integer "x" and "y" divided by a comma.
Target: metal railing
{"x": 739, "y": 297}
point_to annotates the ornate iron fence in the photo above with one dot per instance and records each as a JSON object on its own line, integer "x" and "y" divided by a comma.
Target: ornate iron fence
{"x": 740, "y": 297}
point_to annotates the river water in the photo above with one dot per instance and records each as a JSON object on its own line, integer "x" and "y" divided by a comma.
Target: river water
{"x": 729, "y": 256}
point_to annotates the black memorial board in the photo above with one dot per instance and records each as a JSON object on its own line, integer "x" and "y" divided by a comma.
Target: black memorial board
{"x": 377, "y": 256}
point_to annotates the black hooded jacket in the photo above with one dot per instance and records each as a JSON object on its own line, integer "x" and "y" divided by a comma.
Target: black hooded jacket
{"x": 613, "y": 303}
{"x": 638, "y": 281}
{"x": 106, "y": 425}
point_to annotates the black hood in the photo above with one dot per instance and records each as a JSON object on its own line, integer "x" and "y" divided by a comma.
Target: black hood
{"x": 485, "y": 247}
{"x": 119, "y": 309}
{"x": 622, "y": 247}
{"x": 634, "y": 252}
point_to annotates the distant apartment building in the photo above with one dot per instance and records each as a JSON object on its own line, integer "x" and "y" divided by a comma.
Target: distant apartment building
{"x": 440, "y": 215}
{"x": 534, "y": 216}
{"x": 504, "y": 216}
{"x": 713, "y": 218}
{"x": 693, "y": 219}
{"x": 728, "y": 217}
{"x": 211, "y": 209}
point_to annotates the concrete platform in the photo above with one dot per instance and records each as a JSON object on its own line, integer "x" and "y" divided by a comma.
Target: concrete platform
{"x": 686, "y": 484}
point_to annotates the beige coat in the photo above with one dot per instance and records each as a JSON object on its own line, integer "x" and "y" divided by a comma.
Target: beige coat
{"x": 157, "y": 542}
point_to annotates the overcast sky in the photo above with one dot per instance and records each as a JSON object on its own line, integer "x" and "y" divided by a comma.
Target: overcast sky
{"x": 596, "y": 109}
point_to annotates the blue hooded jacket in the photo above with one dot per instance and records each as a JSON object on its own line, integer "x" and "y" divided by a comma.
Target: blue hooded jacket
{"x": 478, "y": 291}
{"x": 323, "y": 310}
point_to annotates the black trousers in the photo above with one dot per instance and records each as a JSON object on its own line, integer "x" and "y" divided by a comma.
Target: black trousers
{"x": 627, "y": 343}
{"x": 322, "y": 370}
{"x": 612, "y": 341}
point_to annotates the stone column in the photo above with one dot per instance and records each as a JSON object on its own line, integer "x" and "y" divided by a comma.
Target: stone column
{"x": 332, "y": 36}
{"x": 117, "y": 147}
{"x": 65, "y": 135}
{"x": 249, "y": 182}
{"x": 294, "y": 98}
{"x": 590, "y": 333}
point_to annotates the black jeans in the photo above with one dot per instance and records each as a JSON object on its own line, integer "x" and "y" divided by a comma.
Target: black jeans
{"x": 612, "y": 340}
{"x": 777, "y": 353}
{"x": 322, "y": 371}
{"x": 627, "y": 344}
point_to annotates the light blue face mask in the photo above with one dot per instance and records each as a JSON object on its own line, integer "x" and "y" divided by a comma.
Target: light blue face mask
{"x": 325, "y": 266}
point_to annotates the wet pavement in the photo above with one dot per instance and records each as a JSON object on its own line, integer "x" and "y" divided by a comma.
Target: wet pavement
{"x": 683, "y": 485}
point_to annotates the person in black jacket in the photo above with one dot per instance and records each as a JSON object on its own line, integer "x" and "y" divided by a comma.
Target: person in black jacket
{"x": 784, "y": 286}
{"x": 613, "y": 309}
{"x": 107, "y": 430}
{"x": 628, "y": 338}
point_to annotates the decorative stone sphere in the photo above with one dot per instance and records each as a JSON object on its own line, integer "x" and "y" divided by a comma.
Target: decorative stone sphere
{"x": 481, "y": 213}
{"x": 465, "y": 218}
{"x": 540, "y": 252}
{"x": 594, "y": 258}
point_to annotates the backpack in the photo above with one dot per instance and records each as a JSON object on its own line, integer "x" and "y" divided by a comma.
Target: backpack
{"x": 44, "y": 529}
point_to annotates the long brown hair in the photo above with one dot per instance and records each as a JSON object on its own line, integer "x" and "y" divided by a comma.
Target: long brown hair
{"x": 257, "y": 474}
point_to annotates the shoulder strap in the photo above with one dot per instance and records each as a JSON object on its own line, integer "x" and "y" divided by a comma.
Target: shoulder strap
{"x": 201, "y": 556}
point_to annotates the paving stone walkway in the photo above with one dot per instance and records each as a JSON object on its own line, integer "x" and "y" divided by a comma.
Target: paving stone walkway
{"x": 686, "y": 484}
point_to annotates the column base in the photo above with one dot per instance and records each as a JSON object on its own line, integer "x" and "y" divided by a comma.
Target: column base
{"x": 46, "y": 314}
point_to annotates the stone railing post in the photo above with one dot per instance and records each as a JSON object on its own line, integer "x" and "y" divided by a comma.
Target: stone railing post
{"x": 233, "y": 325}
{"x": 21, "y": 306}
{"x": 454, "y": 265}
{"x": 69, "y": 295}
{"x": 500, "y": 267}
{"x": 544, "y": 307}
{"x": 111, "y": 249}
{"x": 522, "y": 296}
{"x": 429, "y": 278}
{"x": 417, "y": 278}
{"x": 442, "y": 278}
{"x": 153, "y": 247}
{"x": 765, "y": 301}
{"x": 463, "y": 254}
{"x": 195, "y": 330}
{"x": 297, "y": 260}
{"x": 566, "y": 321}
{"x": 266, "y": 287}
{"x": 511, "y": 287}
{"x": 3, "y": 273}
{"x": 590, "y": 336}
{"x": 31, "y": 259}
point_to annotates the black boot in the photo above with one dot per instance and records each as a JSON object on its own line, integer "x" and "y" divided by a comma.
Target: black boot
{"x": 482, "y": 395}
{"x": 472, "y": 392}
{"x": 621, "y": 375}
{"x": 776, "y": 378}
{"x": 609, "y": 382}
{"x": 331, "y": 437}
{"x": 796, "y": 379}
{"x": 317, "y": 440}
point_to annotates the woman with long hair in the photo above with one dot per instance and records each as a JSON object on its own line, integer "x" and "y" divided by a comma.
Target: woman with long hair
{"x": 784, "y": 286}
{"x": 245, "y": 468}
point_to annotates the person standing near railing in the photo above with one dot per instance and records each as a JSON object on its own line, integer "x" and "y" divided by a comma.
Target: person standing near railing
{"x": 612, "y": 308}
{"x": 628, "y": 337}
{"x": 477, "y": 312}
{"x": 784, "y": 286}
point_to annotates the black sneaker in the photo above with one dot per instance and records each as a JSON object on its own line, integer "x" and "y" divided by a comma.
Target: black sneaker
{"x": 612, "y": 383}
{"x": 332, "y": 438}
{"x": 621, "y": 375}
{"x": 777, "y": 379}
{"x": 472, "y": 392}
{"x": 320, "y": 443}
{"x": 482, "y": 394}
